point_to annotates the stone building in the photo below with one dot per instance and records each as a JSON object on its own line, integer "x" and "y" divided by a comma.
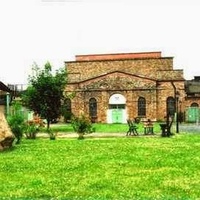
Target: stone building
{"x": 112, "y": 88}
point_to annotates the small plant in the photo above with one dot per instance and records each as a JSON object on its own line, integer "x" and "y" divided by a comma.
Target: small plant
{"x": 31, "y": 129}
{"x": 82, "y": 125}
{"x": 52, "y": 134}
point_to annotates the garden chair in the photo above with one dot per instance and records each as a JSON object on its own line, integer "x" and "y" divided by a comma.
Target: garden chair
{"x": 132, "y": 128}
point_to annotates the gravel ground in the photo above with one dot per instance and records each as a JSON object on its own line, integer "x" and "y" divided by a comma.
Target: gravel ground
{"x": 189, "y": 128}
{"x": 93, "y": 135}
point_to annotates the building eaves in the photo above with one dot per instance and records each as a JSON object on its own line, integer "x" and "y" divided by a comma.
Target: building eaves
{"x": 3, "y": 87}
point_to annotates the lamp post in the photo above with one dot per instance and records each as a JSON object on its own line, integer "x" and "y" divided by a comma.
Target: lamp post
{"x": 177, "y": 95}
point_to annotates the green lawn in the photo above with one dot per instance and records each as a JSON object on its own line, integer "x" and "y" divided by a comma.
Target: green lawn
{"x": 109, "y": 168}
{"x": 103, "y": 128}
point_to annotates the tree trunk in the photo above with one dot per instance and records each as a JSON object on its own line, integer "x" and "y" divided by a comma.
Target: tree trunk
{"x": 48, "y": 125}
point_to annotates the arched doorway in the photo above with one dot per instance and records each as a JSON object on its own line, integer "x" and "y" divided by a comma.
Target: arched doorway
{"x": 117, "y": 109}
{"x": 193, "y": 113}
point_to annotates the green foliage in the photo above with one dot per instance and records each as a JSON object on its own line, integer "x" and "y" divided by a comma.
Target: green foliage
{"x": 52, "y": 134}
{"x": 81, "y": 125}
{"x": 16, "y": 121}
{"x": 114, "y": 168}
{"x": 66, "y": 113}
{"x": 30, "y": 130}
{"x": 46, "y": 92}
{"x": 67, "y": 116}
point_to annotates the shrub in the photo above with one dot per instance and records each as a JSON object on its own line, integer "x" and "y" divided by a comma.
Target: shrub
{"x": 31, "y": 129}
{"x": 52, "y": 134}
{"x": 16, "y": 122}
{"x": 82, "y": 125}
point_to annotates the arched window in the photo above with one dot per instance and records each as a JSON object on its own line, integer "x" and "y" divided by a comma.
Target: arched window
{"x": 141, "y": 106}
{"x": 171, "y": 105}
{"x": 93, "y": 108}
{"x": 194, "y": 105}
{"x": 117, "y": 101}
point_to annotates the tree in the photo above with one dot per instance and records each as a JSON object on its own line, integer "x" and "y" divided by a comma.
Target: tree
{"x": 46, "y": 92}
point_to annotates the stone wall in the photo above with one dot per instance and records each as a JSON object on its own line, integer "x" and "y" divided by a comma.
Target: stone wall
{"x": 80, "y": 71}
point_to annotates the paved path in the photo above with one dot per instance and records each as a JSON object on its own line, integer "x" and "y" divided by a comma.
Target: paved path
{"x": 92, "y": 135}
{"x": 183, "y": 128}
{"x": 189, "y": 128}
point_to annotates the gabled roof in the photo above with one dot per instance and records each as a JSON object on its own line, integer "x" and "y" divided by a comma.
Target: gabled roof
{"x": 112, "y": 72}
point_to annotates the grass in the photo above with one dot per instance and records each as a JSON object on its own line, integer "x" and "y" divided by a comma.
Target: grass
{"x": 109, "y": 168}
{"x": 103, "y": 128}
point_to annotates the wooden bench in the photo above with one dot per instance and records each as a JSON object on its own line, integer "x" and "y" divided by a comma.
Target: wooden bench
{"x": 132, "y": 128}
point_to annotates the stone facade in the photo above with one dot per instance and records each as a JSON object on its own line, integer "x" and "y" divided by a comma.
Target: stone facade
{"x": 6, "y": 136}
{"x": 123, "y": 86}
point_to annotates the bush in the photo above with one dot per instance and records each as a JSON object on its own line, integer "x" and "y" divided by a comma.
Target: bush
{"x": 81, "y": 125}
{"x": 16, "y": 122}
{"x": 31, "y": 129}
{"x": 52, "y": 134}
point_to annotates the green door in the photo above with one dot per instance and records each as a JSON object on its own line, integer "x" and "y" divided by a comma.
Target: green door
{"x": 192, "y": 114}
{"x": 117, "y": 115}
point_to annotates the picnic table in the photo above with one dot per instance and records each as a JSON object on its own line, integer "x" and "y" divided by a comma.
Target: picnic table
{"x": 132, "y": 127}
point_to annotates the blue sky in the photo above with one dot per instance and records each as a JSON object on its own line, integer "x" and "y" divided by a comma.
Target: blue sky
{"x": 56, "y": 30}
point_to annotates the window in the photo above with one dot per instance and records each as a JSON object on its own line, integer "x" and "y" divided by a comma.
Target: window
{"x": 117, "y": 106}
{"x": 171, "y": 108}
{"x": 194, "y": 105}
{"x": 67, "y": 110}
{"x": 93, "y": 107}
{"x": 142, "y": 106}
